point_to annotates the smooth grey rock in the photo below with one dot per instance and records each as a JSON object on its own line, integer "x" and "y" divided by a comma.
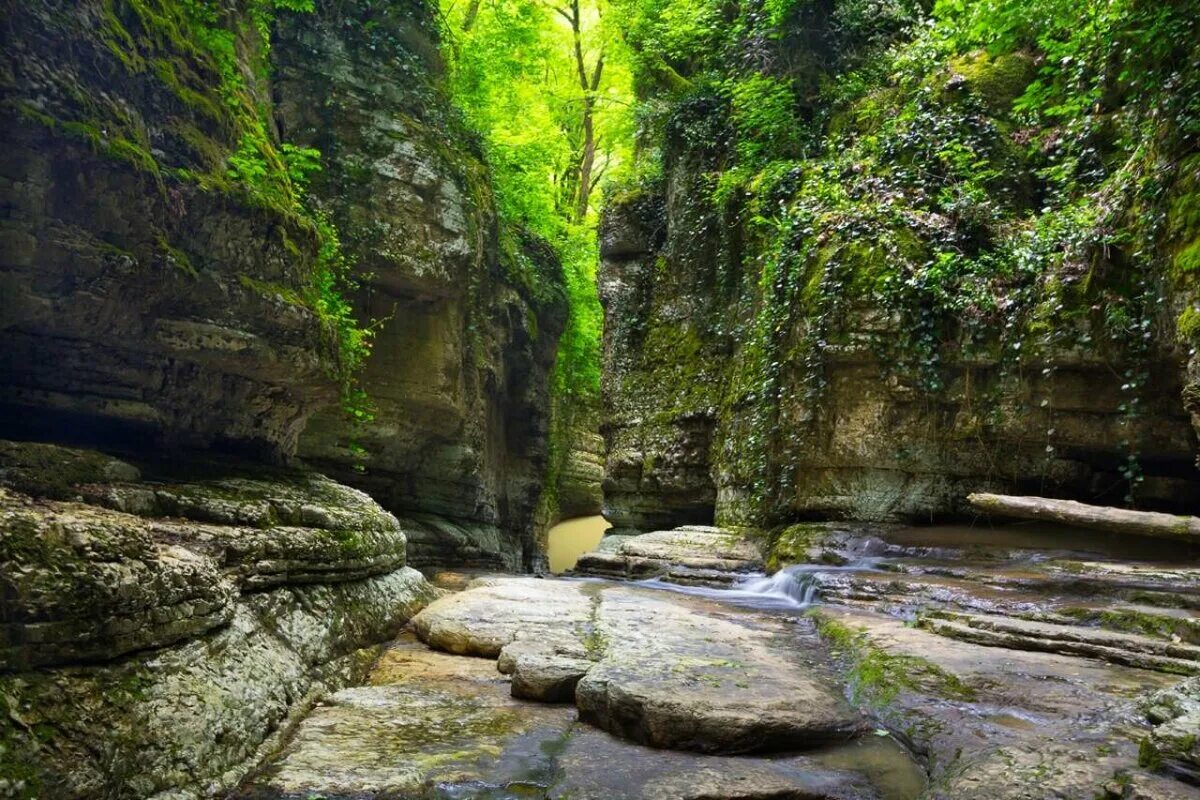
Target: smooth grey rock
{"x": 667, "y": 671}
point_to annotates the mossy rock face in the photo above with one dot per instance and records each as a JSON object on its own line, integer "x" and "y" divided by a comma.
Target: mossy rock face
{"x": 996, "y": 80}
{"x": 45, "y": 470}
{"x": 147, "y": 612}
{"x": 165, "y": 343}
{"x": 82, "y": 583}
{"x": 145, "y": 724}
{"x": 468, "y": 312}
{"x": 1175, "y": 715}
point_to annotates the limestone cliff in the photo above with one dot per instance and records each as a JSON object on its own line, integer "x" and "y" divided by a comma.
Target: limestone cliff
{"x": 147, "y": 290}
{"x": 172, "y": 292}
{"x": 173, "y": 251}
{"x": 467, "y": 315}
{"x": 918, "y": 294}
{"x": 161, "y": 625}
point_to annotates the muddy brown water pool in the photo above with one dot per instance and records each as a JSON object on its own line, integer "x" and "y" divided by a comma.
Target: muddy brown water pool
{"x": 571, "y": 538}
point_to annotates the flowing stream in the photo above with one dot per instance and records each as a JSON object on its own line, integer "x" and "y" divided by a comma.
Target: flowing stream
{"x": 792, "y": 588}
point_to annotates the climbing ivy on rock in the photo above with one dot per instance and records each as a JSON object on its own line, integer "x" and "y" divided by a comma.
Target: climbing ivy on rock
{"x": 990, "y": 181}
{"x": 209, "y": 61}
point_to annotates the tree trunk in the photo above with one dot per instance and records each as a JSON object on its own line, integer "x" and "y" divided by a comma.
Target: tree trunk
{"x": 1103, "y": 518}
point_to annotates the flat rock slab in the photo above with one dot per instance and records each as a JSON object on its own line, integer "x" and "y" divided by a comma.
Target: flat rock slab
{"x": 434, "y": 725}
{"x": 998, "y": 723}
{"x": 493, "y": 612}
{"x": 425, "y": 720}
{"x": 662, "y": 670}
{"x": 694, "y": 547}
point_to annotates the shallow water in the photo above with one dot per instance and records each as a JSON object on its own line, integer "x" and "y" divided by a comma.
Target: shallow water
{"x": 570, "y": 539}
{"x": 888, "y": 765}
{"x": 790, "y": 589}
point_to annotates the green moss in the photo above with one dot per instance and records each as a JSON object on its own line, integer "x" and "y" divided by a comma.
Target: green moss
{"x": 1162, "y": 626}
{"x": 998, "y": 80}
{"x": 273, "y": 291}
{"x": 791, "y": 545}
{"x": 46, "y": 470}
{"x": 1188, "y": 324}
{"x": 876, "y": 676}
{"x": 1148, "y": 755}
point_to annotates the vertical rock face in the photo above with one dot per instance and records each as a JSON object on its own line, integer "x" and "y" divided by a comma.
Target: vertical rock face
{"x": 660, "y": 380}
{"x": 466, "y": 319}
{"x": 165, "y": 290}
{"x": 142, "y": 294}
{"x": 682, "y": 446}
{"x": 756, "y": 379}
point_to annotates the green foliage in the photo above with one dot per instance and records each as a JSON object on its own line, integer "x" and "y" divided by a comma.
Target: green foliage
{"x": 1000, "y": 177}
{"x": 515, "y": 73}
{"x": 213, "y": 58}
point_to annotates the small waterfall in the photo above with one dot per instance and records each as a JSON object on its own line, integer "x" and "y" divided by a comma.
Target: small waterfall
{"x": 792, "y": 588}
{"x": 796, "y": 585}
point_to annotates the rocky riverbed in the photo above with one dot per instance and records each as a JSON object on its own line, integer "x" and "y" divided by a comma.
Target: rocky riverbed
{"x": 947, "y": 663}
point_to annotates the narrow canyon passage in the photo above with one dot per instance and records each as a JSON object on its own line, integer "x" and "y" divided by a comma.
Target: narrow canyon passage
{"x": 599, "y": 399}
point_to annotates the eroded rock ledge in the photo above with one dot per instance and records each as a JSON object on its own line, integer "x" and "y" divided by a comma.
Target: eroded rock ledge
{"x": 156, "y": 632}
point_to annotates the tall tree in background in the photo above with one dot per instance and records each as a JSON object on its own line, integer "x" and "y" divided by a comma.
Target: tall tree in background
{"x": 548, "y": 87}
{"x": 578, "y": 181}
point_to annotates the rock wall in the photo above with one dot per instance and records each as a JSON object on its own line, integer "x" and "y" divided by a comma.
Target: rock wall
{"x": 757, "y": 375}
{"x": 144, "y": 294}
{"x": 467, "y": 315}
{"x": 160, "y": 627}
{"x": 682, "y": 443}
{"x": 166, "y": 262}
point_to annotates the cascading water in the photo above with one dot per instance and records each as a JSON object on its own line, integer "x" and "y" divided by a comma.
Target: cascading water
{"x": 795, "y": 583}
{"x": 791, "y": 588}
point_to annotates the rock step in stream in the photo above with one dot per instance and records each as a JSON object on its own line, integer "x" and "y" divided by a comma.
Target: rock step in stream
{"x": 1018, "y": 663}
{"x": 741, "y": 705}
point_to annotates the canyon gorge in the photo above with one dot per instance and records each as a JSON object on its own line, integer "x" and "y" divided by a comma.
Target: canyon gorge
{"x": 600, "y": 399}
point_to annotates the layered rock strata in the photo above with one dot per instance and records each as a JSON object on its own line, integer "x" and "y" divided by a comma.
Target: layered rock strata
{"x": 678, "y": 434}
{"x": 1014, "y": 662}
{"x": 156, "y": 632}
{"x": 146, "y": 296}
{"x": 466, "y": 314}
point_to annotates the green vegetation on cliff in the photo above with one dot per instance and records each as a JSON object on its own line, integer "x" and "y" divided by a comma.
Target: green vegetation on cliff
{"x": 547, "y": 88}
{"x": 206, "y": 64}
{"x": 981, "y": 181}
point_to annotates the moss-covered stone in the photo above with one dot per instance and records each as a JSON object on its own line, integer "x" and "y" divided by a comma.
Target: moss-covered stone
{"x": 998, "y": 80}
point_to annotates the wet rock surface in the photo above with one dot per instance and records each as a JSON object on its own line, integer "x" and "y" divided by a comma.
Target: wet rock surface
{"x": 435, "y": 725}
{"x": 1017, "y": 662}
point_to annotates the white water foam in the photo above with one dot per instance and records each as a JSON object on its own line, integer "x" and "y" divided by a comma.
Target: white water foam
{"x": 791, "y": 588}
